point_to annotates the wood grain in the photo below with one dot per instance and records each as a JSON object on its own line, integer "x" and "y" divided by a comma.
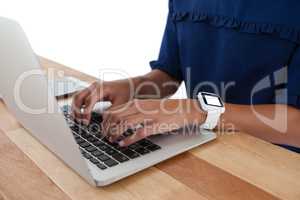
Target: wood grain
{"x": 258, "y": 162}
{"x": 20, "y": 179}
{"x": 210, "y": 180}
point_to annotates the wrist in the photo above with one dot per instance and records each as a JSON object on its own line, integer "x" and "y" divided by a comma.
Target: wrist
{"x": 126, "y": 87}
{"x": 226, "y": 122}
{"x": 213, "y": 105}
{"x": 198, "y": 114}
{"x": 146, "y": 87}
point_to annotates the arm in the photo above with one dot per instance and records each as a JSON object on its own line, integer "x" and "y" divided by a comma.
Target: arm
{"x": 155, "y": 85}
{"x": 281, "y": 128}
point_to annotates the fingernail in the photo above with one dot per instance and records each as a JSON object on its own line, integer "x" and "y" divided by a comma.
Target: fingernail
{"x": 121, "y": 144}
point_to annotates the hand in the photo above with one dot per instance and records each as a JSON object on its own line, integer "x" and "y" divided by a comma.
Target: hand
{"x": 142, "y": 118}
{"x": 117, "y": 92}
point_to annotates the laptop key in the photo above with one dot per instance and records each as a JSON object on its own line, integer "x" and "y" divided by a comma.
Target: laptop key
{"x": 109, "y": 143}
{"x": 119, "y": 148}
{"x": 97, "y": 153}
{"x": 115, "y": 145}
{"x": 80, "y": 140}
{"x": 119, "y": 157}
{"x": 94, "y": 128}
{"x": 101, "y": 166}
{"x": 110, "y": 162}
{"x": 103, "y": 157}
{"x": 145, "y": 143}
{"x": 99, "y": 136}
{"x": 86, "y": 136}
{"x": 76, "y": 136}
{"x": 87, "y": 156}
{"x": 98, "y": 143}
{"x": 94, "y": 160}
{"x": 106, "y": 140}
{"x": 91, "y": 149}
{"x": 84, "y": 145}
{"x": 131, "y": 154}
{"x": 97, "y": 117}
{"x": 110, "y": 151}
{"x": 104, "y": 147}
{"x": 142, "y": 150}
{"x": 74, "y": 128}
{"x": 92, "y": 139}
{"x": 153, "y": 147}
{"x": 82, "y": 132}
{"x": 134, "y": 146}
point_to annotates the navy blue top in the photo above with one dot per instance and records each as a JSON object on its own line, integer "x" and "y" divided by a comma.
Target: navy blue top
{"x": 247, "y": 51}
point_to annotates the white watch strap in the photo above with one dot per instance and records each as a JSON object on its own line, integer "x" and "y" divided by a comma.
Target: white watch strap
{"x": 211, "y": 121}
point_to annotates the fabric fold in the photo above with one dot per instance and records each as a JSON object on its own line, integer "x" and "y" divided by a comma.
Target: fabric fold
{"x": 280, "y": 31}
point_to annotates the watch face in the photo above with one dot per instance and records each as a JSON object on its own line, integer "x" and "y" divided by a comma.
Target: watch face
{"x": 212, "y": 100}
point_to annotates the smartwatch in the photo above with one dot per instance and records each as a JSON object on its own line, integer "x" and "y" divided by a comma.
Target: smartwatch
{"x": 214, "y": 106}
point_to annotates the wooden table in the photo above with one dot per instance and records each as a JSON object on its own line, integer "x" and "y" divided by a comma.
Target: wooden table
{"x": 235, "y": 166}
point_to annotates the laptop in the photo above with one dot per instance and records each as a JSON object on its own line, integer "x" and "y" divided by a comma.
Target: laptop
{"x": 24, "y": 89}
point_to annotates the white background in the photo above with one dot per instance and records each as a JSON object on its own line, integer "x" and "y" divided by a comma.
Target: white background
{"x": 89, "y": 35}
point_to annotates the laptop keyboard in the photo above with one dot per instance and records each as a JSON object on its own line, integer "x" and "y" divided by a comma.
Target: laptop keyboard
{"x": 97, "y": 149}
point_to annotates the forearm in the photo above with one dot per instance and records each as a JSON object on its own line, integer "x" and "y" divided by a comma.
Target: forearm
{"x": 155, "y": 85}
{"x": 274, "y": 123}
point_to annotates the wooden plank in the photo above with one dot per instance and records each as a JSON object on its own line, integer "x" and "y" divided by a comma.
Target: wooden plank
{"x": 20, "y": 179}
{"x": 210, "y": 180}
{"x": 149, "y": 184}
{"x": 262, "y": 164}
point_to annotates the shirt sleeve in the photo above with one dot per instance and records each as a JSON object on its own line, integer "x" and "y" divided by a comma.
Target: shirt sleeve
{"x": 169, "y": 59}
{"x": 293, "y": 83}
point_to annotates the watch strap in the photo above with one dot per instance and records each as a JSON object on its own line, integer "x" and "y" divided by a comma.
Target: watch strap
{"x": 211, "y": 121}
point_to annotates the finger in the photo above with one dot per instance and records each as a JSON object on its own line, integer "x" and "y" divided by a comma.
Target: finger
{"x": 131, "y": 129}
{"x": 116, "y": 121}
{"x": 86, "y": 102}
{"x": 114, "y": 118}
{"x": 89, "y": 104}
{"x": 105, "y": 119}
{"x": 78, "y": 100}
{"x": 109, "y": 121}
{"x": 114, "y": 132}
{"x": 123, "y": 125}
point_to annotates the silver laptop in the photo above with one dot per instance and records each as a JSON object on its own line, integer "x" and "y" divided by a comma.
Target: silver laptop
{"x": 24, "y": 88}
